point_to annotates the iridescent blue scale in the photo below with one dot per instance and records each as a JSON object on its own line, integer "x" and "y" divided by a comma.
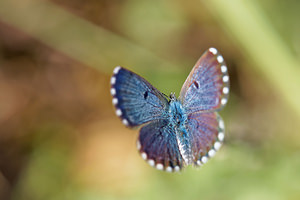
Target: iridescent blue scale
{"x": 177, "y": 131}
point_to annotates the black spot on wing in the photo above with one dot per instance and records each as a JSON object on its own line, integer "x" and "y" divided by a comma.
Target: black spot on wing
{"x": 196, "y": 84}
{"x": 145, "y": 95}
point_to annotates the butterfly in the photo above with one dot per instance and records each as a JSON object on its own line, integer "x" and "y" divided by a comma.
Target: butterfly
{"x": 175, "y": 132}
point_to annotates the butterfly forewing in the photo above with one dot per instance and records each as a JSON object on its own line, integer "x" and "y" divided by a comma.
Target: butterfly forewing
{"x": 135, "y": 99}
{"x": 207, "y": 86}
{"x": 207, "y": 134}
{"x": 158, "y": 146}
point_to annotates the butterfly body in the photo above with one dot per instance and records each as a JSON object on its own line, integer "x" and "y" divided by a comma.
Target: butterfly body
{"x": 175, "y": 132}
{"x": 178, "y": 121}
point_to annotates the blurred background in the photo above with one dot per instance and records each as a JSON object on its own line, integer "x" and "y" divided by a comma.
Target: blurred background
{"x": 60, "y": 138}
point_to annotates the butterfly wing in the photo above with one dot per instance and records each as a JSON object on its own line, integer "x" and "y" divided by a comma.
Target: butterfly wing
{"x": 158, "y": 146}
{"x": 206, "y": 135}
{"x": 135, "y": 99}
{"x": 207, "y": 86}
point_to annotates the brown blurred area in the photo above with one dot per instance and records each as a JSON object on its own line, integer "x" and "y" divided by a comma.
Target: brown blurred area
{"x": 41, "y": 86}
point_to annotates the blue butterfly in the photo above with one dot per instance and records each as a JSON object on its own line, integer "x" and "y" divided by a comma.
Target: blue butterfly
{"x": 175, "y": 132}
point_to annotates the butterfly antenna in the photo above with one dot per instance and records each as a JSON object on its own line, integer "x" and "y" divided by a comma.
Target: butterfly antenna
{"x": 166, "y": 95}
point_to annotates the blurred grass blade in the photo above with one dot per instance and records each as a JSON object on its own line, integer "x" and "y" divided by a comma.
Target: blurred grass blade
{"x": 80, "y": 39}
{"x": 261, "y": 43}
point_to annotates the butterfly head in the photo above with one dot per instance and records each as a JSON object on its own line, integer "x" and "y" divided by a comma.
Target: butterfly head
{"x": 172, "y": 96}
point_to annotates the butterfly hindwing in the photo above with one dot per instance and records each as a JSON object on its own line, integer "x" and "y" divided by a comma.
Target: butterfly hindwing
{"x": 135, "y": 99}
{"x": 207, "y": 86}
{"x": 206, "y": 135}
{"x": 158, "y": 146}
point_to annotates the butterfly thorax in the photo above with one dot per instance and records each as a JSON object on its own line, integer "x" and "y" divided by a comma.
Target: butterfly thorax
{"x": 178, "y": 119}
{"x": 177, "y": 114}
